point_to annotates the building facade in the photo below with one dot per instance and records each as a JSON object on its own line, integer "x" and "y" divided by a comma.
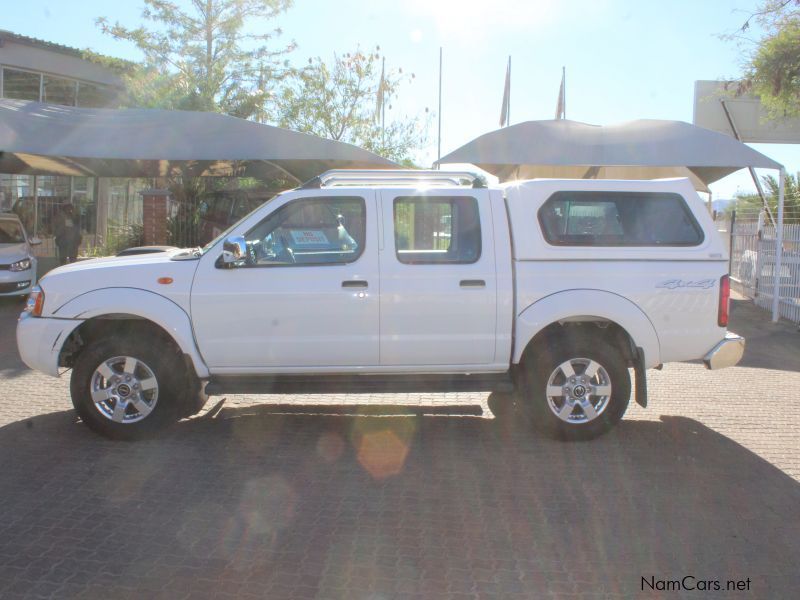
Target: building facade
{"x": 32, "y": 69}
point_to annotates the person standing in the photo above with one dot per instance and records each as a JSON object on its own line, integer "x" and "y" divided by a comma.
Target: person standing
{"x": 68, "y": 235}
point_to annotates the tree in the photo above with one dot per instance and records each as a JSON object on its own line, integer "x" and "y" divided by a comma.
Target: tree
{"x": 341, "y": 101}
{"x": 750, "y": 204}
{"x": 773, "y": 69}
{"x": 203, "y": 58}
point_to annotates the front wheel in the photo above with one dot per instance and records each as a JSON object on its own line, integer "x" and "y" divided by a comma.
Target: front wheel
{"x": 576, "y": 389}
{"x": 127, "y": 388}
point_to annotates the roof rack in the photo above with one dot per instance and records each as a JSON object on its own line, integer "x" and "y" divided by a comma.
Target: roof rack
{"x": 395, "y": 177}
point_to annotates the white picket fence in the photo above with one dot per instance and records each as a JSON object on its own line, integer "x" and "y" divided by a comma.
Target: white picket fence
{"x": 753, "y": 272}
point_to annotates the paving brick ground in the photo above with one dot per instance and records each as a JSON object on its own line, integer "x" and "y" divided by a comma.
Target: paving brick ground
{"x": 252, "y": 502}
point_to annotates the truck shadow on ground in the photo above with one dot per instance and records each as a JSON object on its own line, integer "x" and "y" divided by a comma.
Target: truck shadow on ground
{"x": 254, "y": 500}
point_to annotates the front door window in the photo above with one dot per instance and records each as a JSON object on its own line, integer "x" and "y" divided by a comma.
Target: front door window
{"x": 311, "y": 231}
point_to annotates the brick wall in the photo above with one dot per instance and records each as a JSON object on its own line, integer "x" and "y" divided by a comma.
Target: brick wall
{"x": 155, "y": 217}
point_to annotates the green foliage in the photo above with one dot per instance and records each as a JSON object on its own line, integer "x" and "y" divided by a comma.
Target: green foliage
{"x": 118, "y": 65}
{"x": 117, "y": 238}
{"x": 203, "y": 58}
{"x": 773, "y": 71}
{"x": 183, "y": 228}
{"x": 748, "y": 205}
{"x": 339, "y": 101}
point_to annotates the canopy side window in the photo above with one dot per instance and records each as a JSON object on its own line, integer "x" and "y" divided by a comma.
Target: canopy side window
{"x": 618, "y": 219}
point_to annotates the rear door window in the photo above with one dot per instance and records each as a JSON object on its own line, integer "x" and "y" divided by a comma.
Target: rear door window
{"x": 437, "y": 229}
{"x": 618, "y": 219}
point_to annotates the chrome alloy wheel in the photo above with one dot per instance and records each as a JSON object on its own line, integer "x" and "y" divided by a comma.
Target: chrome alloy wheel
{"x": 124, "y": 389}
{"x": 578, "y": 390}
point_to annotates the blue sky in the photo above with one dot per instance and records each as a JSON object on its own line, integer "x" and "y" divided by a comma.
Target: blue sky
{"x": 625, "y": 59}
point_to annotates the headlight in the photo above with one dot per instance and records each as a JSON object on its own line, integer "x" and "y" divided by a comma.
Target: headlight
{"x": 21, "y": 265}
{"x": 35, "y": 302}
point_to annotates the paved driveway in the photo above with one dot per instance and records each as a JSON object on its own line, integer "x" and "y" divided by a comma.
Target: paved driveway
{"x": 258, "y": 501}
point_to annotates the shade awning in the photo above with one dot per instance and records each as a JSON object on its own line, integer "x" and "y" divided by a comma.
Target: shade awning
{"x": 38, "y": 138}
{"x": 642, "y": 149}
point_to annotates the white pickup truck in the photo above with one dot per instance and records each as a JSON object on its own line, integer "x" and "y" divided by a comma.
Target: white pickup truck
{"x": 399, "y": 281}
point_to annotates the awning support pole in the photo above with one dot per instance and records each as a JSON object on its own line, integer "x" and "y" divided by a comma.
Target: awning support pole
{"x": 756, "y": 181}
{"x": 776, "y": 273}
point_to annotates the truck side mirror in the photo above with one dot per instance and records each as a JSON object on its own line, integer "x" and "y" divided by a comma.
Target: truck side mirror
{"x": 234, "y": 250}
{"x": 34, "y": 241}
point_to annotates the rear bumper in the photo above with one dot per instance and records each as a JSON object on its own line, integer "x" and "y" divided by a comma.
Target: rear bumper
{"x": 725, "y": 354}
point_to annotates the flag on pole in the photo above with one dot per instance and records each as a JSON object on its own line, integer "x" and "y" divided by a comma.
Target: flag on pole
{"x": 381, "y": 88}
{"x": 504, "y": 111}
{"x": 561, "y": 107}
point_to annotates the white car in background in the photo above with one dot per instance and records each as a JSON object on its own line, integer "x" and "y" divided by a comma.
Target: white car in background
{"x": 17, "y": 262}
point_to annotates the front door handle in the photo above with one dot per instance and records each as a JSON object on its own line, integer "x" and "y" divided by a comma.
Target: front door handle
{"x": 355, "y": 283}
{"x": 470, "y": 283}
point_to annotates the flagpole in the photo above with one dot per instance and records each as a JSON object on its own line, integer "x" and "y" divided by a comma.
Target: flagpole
{"x": 383, "y": 108}
{"x": 508, "y": 109}
{"x": 564, "y": 83}
{"x": 439, "y": 150}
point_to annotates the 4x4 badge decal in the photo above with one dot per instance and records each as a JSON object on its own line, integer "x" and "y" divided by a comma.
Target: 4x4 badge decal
{"x": 672, "y": 284}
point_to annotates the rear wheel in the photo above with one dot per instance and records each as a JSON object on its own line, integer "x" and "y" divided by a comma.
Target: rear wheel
{"x": 128, "y": 388}
{"x": 576, "y": 388}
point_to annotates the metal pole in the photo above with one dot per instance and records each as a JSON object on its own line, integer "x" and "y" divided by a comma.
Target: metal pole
{"x": 759, "y": 189}
{"x": 776, "y": 272}
{"x": 439, "y": 149}
{"x": 383, "y": 110}
{"x": 730, "y": 241}
{"x": 35, "y": 206}
{"x": 508, "y": 106}
{"x": 564, "y": 80}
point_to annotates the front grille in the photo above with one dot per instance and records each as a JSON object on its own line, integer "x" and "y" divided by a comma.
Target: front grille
{"x": 5, "y": 288}
{"x": 5, "y": 267}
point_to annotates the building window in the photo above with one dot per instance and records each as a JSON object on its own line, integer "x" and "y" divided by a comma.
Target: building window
{"x": 21, "y": 85}
{"x": 56, "y": 90}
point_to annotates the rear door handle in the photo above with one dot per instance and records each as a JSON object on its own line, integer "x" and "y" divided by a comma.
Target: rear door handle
{"x": 355, "y": 283}
{"x": 473, "y": 283}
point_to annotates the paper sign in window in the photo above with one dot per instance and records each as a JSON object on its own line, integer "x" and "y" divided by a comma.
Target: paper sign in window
{"x": 309, "y": 237}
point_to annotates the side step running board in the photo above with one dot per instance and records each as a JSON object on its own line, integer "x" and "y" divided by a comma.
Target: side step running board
{"x": 358, "y": 384}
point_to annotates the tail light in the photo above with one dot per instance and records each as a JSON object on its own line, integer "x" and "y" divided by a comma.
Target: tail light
{"x": 724, "y": 300}
{"x": 35, "y": 302}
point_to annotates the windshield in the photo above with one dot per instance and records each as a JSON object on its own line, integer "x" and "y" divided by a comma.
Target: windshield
{"x": 11, "y": 233}
{"x": 225, "y": 233}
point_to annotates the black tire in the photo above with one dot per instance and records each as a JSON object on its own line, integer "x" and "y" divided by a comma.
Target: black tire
{"x": 159, "y": 358}
{"x": 501, "y": 404}
{"x": 535, "y": 404}
{"x": 196, "y": 396}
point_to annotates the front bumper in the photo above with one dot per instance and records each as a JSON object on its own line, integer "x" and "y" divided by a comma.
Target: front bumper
{"x": 725, "y": 354}
{"x": 40, "y": 340}
{"x": 16, "y": 283}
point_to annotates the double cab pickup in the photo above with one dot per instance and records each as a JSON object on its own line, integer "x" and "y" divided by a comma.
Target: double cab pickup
{"x": 558, "y": 290}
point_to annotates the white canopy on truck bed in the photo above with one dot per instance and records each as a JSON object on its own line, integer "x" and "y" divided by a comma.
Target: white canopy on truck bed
{"x": 642, "y": 149}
